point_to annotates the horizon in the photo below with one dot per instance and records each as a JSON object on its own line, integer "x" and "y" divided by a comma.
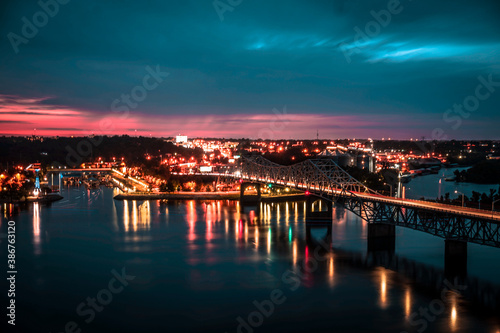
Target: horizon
{"x": 247, "y": 138}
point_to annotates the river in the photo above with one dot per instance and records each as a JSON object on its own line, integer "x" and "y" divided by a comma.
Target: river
{"x": 95, "y": 264}
{"x": 435, "y": 185}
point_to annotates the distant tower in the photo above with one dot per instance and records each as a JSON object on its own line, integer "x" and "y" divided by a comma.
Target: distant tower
{"x": 37, "y": 184}
{"x": 317, "y": 135}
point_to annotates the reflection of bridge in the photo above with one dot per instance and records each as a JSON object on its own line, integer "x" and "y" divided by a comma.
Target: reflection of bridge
{"x": 324, "y": 180}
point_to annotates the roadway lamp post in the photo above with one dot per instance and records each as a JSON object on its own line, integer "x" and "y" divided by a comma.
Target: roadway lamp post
{"x": 390, "y": 187}
{"x": 493, "y": 206}
{"x": 463, "y": 195}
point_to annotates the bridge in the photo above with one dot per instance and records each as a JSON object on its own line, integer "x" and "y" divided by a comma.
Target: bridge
{"x": 324, "y": 180}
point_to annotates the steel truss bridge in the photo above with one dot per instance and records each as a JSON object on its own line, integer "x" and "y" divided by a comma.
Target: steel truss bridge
{"x": 324, "y": 179}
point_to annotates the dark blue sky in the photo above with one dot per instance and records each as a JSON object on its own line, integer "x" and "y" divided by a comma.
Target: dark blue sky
{"x": 274, "y": 69}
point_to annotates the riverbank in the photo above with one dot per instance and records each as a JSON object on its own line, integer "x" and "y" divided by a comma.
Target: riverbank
{"x": 45, "y": 198}
{"x": 234, "y": 195}
{"x": 435, "y": 185}
{"x": 41, "y": 199}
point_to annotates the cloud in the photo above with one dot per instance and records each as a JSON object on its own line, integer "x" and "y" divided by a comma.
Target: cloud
{"x": 460, "y": 53}
{"x": 26, "y": 116}
{"x": 263, "y": 55}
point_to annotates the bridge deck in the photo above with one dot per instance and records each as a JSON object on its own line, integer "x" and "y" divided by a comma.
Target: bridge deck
{"x": 79, "y": 170}
{"x": 431, "y": 206}
{"x": 434, "y": 206}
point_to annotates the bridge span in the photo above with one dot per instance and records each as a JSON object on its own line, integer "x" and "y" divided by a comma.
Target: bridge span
{"x": 75, "y": 170}
{"x": 324, "y": 180}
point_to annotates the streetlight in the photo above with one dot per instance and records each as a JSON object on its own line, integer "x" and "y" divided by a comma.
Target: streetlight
{"x": 463, "y": 195}
{"x": 493, "y": 206}
{"x": 391, "y": 186}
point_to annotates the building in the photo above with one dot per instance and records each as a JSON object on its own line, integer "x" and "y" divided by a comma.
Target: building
{"x": 181, "y": 139}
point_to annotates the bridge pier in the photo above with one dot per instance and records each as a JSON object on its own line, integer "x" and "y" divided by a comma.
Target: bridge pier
{"x": 381, "y": 237}
{"x": 455, "y": 258}
{"x": 318, "y": 211}
{"x": 249, "y": 200}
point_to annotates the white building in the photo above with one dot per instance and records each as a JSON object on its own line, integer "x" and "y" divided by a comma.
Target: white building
{"x": 179, "y": 139}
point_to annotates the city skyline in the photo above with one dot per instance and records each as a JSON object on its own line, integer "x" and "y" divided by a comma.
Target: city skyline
{"x": 241, "y": 69}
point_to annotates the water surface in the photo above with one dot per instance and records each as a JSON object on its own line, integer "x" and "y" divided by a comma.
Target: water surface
{"x": 205, "y": 267}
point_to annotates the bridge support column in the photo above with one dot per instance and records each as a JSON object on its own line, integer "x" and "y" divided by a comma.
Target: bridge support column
{"x": 381, "y": 237}
{"x": 318, "y": 211}
{"x": 249, "y": 200}
{"x": 319, "y": 214}
{"x": 455, "y": 258}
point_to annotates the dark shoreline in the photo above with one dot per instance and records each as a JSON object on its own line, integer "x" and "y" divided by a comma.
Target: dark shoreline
{"x": 44, "y": 199}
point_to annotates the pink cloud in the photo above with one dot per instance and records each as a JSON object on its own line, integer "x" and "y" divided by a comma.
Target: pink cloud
{"x": 20, "y": 116}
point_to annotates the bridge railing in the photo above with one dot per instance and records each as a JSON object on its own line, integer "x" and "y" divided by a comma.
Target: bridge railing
{"x": 459, "y": 209}
{"x": 436, "y": 206}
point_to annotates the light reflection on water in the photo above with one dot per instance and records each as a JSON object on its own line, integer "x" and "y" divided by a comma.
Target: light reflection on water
{"x": 407, "y": 303}
{"x": 36, "y": 228}
{"x": 331, "y": 271}
{"x": 383, "y": 287}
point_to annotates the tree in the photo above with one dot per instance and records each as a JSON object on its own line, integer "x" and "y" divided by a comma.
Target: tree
{"x": 476, "y": 196}
{"x": 163, "y": 188}
{"x": 170, "y": 186}
{"x": 11, "y": 192}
